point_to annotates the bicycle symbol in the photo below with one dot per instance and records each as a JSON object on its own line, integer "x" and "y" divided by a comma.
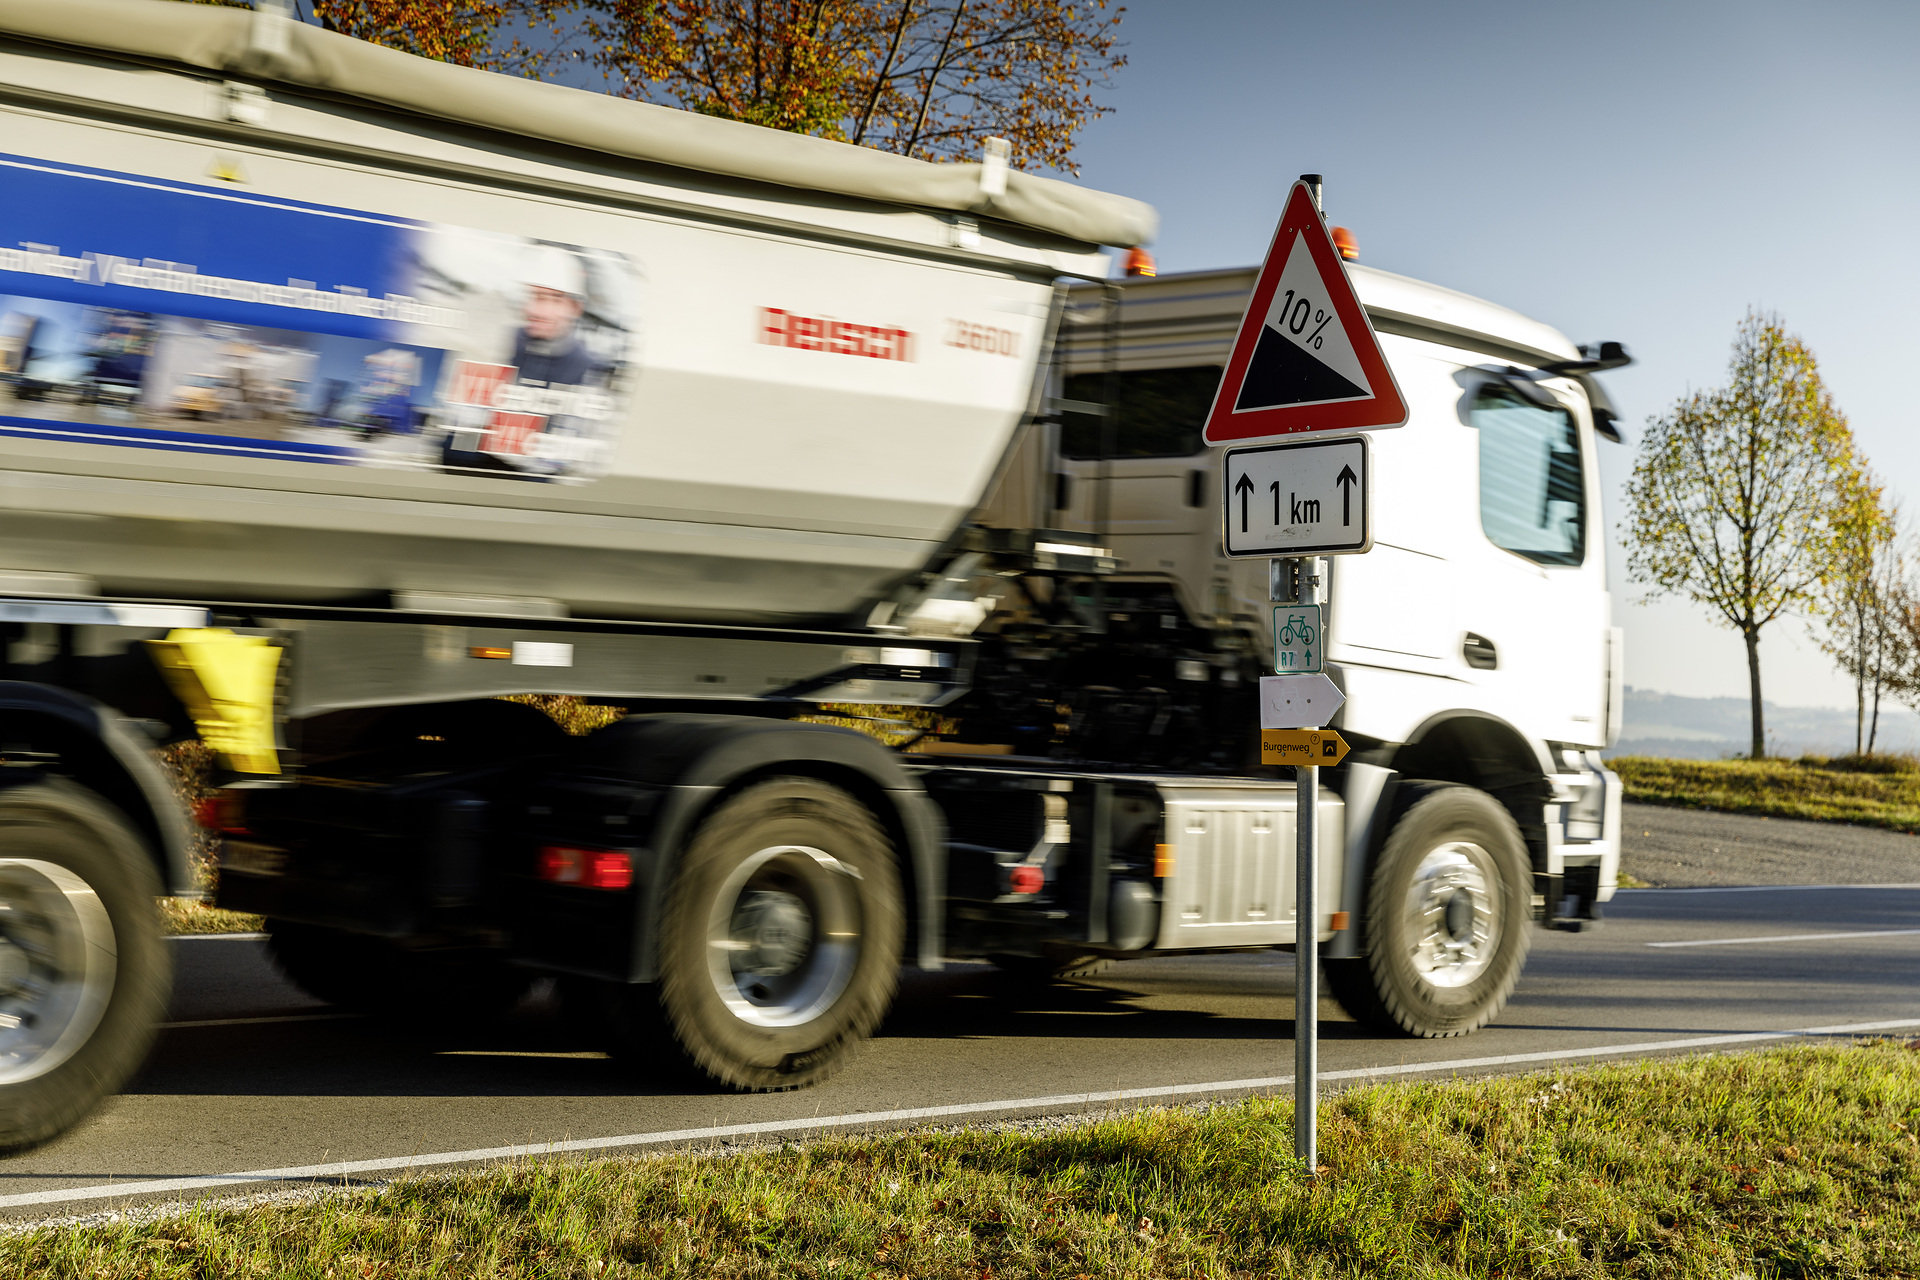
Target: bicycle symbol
{"x": 1297, "y": 633}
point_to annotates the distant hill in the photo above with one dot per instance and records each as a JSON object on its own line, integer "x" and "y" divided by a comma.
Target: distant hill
{"x": 1670, "y": 724}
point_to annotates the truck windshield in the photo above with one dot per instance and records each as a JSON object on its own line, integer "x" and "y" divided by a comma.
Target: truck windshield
{"x": 1161, "y": 412}
{"x": 1532, "y": 492}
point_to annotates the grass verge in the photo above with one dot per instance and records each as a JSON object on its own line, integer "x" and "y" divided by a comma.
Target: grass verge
{"x": 1874, "y": 791}
{"x": 184, "y": 915}
{"x": 1794, "y": 1162}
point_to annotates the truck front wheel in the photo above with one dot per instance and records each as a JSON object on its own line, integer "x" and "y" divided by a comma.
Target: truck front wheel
{"x": 779, "y": 942}
{"x": 85, "y": 974}
{"x": 1447, "y": 917}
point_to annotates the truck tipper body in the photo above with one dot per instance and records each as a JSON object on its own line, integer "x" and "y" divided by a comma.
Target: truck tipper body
{"x": 349, "y": 399}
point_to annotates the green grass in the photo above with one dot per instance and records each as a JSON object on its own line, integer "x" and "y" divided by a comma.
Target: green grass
{"x": 1874, "y": 791}
{"x": 1795, "y": 1162}
{"x": 184, "y": 915}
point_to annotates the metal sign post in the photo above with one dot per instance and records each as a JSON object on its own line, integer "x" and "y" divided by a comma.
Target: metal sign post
{"x": 1292, "y": 709}
{"x": 1306, "y": 950}
{"x": 1306, "y": 363}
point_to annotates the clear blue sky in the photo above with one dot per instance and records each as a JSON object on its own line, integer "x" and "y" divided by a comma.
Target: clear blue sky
{"x": 1624, "y": 170}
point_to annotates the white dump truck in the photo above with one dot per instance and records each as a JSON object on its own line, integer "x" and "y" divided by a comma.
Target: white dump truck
{"x": 503, "y": 389}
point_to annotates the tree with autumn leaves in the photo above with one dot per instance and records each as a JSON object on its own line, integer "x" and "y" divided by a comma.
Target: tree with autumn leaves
{"x": 1739, "y": 496}
{"x": 926, "y": 78}
{"x": 468, "y": 33}
{"x": 1753, "y": 499}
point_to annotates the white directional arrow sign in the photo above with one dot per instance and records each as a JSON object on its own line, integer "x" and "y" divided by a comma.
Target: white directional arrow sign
{"x": 1305, "y": 499}
{"x": 1298, "y": 702}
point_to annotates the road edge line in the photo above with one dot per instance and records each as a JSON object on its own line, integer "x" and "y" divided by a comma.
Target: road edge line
{"x": 400, "y": 1164}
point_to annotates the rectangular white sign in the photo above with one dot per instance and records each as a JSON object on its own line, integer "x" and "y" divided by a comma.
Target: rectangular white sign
{"x": 1304, "y": 499}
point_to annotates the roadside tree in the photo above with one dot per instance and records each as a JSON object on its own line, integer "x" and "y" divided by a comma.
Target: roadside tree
{"x": 926, "y": 78}
{"x": 1904, "y": 609}
{"x": 1736, "y": 493}
{"x": 1862, "y": 597}
{"x": 932, "y": 78}
{"x": 469, "y": 33}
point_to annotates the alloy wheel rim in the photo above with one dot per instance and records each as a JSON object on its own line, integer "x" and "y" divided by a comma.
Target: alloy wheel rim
{"x": 783, "y": 936}
{"x": 1453, "y": 914}
{"x": 57, "y": 966}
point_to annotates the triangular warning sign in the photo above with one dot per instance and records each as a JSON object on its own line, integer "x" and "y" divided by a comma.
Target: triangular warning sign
{"x": 1306, "y": 359}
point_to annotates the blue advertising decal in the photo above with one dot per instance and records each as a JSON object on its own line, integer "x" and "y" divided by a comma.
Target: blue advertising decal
{"x": 135, "y": 311}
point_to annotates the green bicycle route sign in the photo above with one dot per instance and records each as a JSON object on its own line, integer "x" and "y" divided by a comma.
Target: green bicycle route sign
{"x": 1296, "y": 639}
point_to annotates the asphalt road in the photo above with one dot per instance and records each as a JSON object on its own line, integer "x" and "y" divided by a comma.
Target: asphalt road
{"x": 255, "y": 1087}
{"x": 1693, "y": 847}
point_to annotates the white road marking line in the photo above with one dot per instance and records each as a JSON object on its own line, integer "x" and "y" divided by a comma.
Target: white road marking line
{"x": 399, "y": 1164}
{"x": 218, "y": 937}
{"x": 254, "y": 1022}
{"x": 1788, "y": 937}
{"x": 1763, "y": 888}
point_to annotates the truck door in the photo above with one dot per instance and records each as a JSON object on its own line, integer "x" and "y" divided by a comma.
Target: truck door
{"x": 1142, "y": 481}
{"x": 1533, "y": 604}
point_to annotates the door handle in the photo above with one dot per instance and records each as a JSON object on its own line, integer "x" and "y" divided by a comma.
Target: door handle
{"x": 1479, "y": 653}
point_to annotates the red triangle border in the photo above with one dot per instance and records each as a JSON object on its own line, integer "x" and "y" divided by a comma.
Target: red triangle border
{"x": 1385, "y": 408}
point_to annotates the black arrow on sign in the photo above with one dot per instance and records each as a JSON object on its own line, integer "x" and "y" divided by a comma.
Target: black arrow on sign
{"x": 1346, "y": 480}
{"x": 1244, "y": 488}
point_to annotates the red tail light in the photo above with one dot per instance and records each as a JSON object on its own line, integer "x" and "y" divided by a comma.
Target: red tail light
{"x": 1026, "y": 880}
{"x": 223, "y": 811}
{"x": 609, "y": 869}
{"x": 589, "y": 868}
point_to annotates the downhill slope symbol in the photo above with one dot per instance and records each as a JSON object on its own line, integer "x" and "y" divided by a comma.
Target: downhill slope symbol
{"x": 1305, "y": 357}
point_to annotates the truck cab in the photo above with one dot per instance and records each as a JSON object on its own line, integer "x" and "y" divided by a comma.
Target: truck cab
{"x": 1474, "y": 642}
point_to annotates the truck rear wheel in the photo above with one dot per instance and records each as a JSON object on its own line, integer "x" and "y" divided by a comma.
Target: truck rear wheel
{"x": 85, "y": 974}
{"x": 1447, "y": 919}
{"x": 780, "y": 939}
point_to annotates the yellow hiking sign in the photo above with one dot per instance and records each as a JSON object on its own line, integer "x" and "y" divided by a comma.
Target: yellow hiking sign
{"x": 1302, "y": 748}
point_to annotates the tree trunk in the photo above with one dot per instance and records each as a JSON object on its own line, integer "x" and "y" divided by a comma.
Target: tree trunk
{"x": 1759, "y": 748}
{"x": 1860, "y": 686}
{"x": 1859, "y": 712}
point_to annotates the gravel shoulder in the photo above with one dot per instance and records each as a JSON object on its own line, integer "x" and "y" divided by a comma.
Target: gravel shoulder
{"x": 1691, "y": 848}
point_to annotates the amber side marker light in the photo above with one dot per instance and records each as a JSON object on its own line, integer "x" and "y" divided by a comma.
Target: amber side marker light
{"x": 1343, "y": 241}
{"x": 1163, "y": 860}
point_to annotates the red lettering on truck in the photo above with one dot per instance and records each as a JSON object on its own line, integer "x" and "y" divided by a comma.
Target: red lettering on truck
{"x": 512, "y": 433}
{"x": 478, "y": 384}
{"x": 841, "y": 337}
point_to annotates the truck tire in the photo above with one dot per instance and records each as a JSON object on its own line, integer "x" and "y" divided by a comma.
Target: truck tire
{"x": 85, "y": 974}
{"x": 1448, "y": 919}
{"x": 779, "y": 940}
